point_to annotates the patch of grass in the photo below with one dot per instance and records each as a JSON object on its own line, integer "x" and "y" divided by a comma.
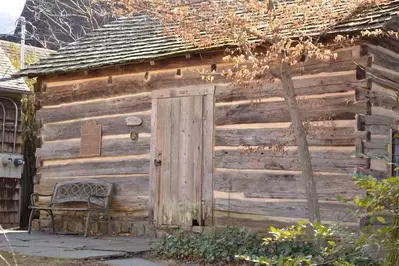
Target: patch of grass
{"x": 23, "y": 260}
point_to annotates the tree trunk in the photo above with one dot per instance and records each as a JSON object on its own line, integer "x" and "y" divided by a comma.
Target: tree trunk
{"x": 302, "y": 143}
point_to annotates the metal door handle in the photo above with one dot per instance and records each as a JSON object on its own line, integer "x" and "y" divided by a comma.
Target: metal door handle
{"x": 157, "y": 162}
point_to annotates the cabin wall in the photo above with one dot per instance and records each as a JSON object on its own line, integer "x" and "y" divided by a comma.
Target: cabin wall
{"x": 109, "y": 98}
{"x": 257, "y": 178}
{"x": 383, "y": 70}
{"x": 257, "y": 174}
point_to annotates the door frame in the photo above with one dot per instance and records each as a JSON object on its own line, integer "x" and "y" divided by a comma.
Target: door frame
{"x": 208, "y": 148}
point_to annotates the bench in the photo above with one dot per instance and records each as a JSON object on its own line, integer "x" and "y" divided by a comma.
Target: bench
{"x": 95, "y": 196}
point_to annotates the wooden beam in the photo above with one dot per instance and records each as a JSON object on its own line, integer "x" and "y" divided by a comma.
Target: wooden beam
{"x": 111, "y": 146}
{"x": 336, "y": 106}
{"x": 97, "y": 166}
{"x": 282, "y": 184}
{"x": 327, "y": 159}
{"x": 111, "y": 125}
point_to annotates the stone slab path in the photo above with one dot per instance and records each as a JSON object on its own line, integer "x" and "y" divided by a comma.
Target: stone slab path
{"x": 132, "y": 262}
{"x": 112, "y": 250}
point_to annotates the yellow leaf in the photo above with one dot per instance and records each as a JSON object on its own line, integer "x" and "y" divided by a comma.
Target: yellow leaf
{"x": 381, "y": 219}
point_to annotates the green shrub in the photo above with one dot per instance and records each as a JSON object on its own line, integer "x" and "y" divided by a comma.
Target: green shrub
{"x": 288, "y": 246}
{"x": 220, "y": 247}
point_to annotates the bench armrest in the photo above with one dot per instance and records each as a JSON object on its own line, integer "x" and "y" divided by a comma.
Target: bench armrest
{"x": 33, "y": 195}
{"x": 95, "y": 196}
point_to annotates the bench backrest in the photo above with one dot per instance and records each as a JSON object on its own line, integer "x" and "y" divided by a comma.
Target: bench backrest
{"x": 79, "y": 191}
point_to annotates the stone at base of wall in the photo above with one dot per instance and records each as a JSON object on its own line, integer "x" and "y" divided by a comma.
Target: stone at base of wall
{"x": 75, "y": 224}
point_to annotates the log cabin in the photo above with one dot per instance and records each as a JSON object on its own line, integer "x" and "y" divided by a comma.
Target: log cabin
{"x": 185, "y": 152}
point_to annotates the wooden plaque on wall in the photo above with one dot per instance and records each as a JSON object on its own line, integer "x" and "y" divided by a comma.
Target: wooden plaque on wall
{"x": 90, "y": 142}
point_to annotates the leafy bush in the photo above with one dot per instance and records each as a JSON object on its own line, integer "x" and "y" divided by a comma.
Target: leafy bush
{"x": 289, "y": 246}
{"x": 220, "y": 247}
{"x": 305, "y": 243}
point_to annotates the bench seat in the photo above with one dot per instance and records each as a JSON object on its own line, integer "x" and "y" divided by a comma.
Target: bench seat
{"x": 96, "y": 194}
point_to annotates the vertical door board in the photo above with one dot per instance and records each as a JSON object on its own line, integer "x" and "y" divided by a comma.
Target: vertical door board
{"x": 208, "y": 159}
{"x": 181, "y": 178}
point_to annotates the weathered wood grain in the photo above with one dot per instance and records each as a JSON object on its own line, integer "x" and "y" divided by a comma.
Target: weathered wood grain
{"x": 154, "y": 172}
{"x": 97, "y": 166}
{"x": 282, "y": 184}
{"x": 329, "y": 210}
{"x": 327, "y": 159}
{"x": 208, "y": 160}
{"x": 116, "y": 145}
{"x": 261, "y": 223}
{"x": 384, "y": 57}
{"x": 117, "y": 105}
{"x": 383, "y": 96}
{"x": 111, "y": 125}
{"x": 304, "y": 85}
{"x": 338, "y": 106}
{"x": 332, "y": 133}
{"x": 379, "y": 165}
{"x": 377, "y": 145}
{"x": 83, "y": 90}
{"x": 377, "y": 124}
{"x": 101, "y": 86}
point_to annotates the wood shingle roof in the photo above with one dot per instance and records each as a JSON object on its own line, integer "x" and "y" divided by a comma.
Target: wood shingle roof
{"x": 140, "y": 38}
{"x": 7, "y": 82}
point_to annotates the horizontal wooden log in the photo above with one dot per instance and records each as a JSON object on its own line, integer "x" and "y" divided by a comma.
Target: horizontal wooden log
{"x": 114, "y": 146}
{"x": 379, "y": 165}
{"x": 130, "y": 194}
{"x": 111, "y": 125}
{"x": 304, "y": 85}
{"x": 329, "y": 210}
{"x": 110, "y": 84}
{"x": 383, "y": 96}
{"x": 377, "y": 145}
{"x": 282, "y": 184}
{"x": 82, "y": 90}
{"x": 109, "y": 106}
{"x": 331, "y": 66}
{"x": 336, "y": 106}
{"x": 96, "y": 166}
{"x": 320, "y": 134}
{"x": 261, "y": 223}
{"x": 324, "y": 159}
{"x": 331, "y": 133}
{"x": 384, "y": 57}
{"x": 377, "y": 124}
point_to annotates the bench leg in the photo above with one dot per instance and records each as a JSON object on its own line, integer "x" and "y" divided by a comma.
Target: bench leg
{"x": 32, "y": 212}
{"x": 87, "y": 223}
{"x": 109, "y": 224}
{"x": 52, "y": 220}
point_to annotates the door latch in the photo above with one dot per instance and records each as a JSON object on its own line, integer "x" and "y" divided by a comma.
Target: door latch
{"x": 157, "y": 162}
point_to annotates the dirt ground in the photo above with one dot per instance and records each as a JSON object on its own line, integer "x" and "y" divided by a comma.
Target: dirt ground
{"x": 42, "y": 261}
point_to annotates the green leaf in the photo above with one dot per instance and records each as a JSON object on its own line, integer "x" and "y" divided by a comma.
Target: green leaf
{"x": 381, "y": 219}
{"x": 332, "y": 243}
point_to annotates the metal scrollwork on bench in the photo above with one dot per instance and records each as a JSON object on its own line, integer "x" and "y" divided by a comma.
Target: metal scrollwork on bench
{"x": 95, "y": 193}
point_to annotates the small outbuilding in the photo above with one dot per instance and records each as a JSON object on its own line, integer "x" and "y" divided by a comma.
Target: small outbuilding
{"x": 11, "y": 158}
{"x": 184, "y": 152}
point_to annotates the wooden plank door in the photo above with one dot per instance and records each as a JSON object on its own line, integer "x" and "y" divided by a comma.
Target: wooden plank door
{"x": 181, "y": 172}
